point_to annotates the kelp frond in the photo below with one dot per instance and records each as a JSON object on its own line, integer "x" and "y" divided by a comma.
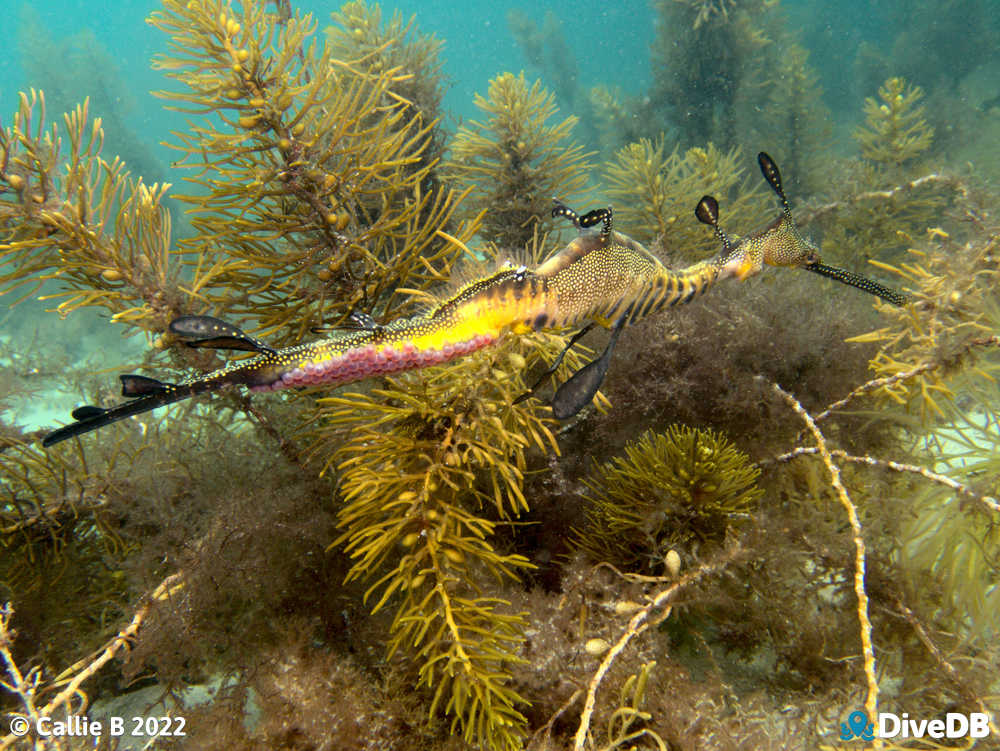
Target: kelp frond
{"x": 60, "y": 541}
{"x": 43, "y": 497}
{"x": 397, "y": 44}
{"x": 651, "y": 192}
{"x": 954, "y": 317}
{"x": 429, "y": 466}
{"x": 516, "y": 160}
{"x": 69, "y": 216}
{"x": 952, "y": 539}
{"x": 309, "y": 170}
{"x": 895, "y": 131}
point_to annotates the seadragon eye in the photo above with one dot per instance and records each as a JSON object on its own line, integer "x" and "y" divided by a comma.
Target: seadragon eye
{"x": 520, "y": 273}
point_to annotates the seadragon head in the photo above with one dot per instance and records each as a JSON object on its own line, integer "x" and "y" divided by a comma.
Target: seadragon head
{"x": 781, "y": 243}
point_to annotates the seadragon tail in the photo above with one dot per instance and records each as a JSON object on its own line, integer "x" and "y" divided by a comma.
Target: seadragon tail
{"x": 147, "y": 394}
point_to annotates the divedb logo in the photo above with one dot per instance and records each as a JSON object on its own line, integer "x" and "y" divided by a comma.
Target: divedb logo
{"x": 954, "y": 725}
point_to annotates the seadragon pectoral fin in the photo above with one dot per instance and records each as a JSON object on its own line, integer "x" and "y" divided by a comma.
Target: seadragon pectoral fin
{"x": 858, "y": 282}
{"x": 555, "y": 365}
{"x": 582, "y": 386}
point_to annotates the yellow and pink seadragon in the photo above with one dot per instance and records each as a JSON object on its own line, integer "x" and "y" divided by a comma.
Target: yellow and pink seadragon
{"x": 604, "y": 278}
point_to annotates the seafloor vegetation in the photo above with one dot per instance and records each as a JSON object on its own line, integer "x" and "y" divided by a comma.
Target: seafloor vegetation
{"x": 783, "y": 507}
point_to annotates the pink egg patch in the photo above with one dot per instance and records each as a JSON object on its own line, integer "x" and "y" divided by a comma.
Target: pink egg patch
{"x": 364, "y": 361}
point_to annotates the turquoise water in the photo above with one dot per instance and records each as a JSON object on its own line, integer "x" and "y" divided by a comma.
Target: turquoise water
{"x": 610, "y": 41}
{"x": 783, "y": 326}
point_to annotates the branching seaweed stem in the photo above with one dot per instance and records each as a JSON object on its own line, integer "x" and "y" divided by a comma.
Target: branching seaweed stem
{"x": 868, "y": 650}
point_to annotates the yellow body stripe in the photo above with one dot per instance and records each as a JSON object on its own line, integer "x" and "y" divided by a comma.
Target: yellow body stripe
{"x": 606, "y": 278}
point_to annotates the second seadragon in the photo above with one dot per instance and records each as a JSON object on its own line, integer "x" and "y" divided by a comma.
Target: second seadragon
{"x": 604, "y": 278}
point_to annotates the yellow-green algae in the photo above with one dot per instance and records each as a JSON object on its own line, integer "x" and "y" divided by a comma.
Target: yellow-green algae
{"x": 681, "y": 487}
{"x": 438, "y": 475}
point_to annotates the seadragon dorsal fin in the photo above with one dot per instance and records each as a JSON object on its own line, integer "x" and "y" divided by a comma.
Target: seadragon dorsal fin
{"x": 356, "y": 321}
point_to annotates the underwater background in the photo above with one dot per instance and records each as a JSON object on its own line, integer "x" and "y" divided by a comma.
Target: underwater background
{"x": 779, "y": 511}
